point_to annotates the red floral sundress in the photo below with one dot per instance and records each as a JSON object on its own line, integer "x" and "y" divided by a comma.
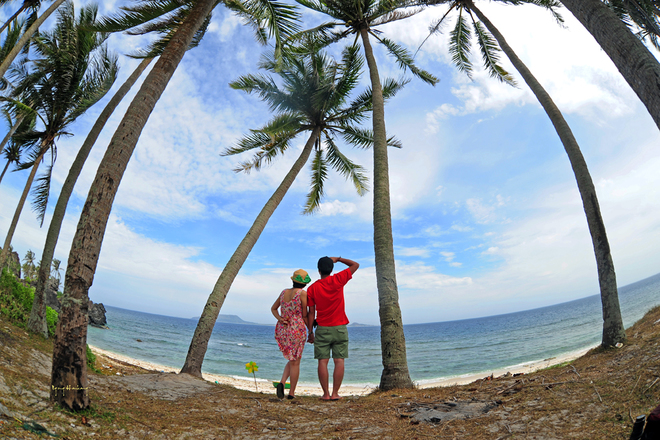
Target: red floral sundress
{"x": 292, "y": 337}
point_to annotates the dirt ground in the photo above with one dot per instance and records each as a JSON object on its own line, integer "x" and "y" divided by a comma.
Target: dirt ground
{"x": 594, "y": 397}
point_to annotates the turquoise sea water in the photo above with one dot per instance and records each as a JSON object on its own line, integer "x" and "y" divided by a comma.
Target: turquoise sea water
{"x": 435, "y": 350}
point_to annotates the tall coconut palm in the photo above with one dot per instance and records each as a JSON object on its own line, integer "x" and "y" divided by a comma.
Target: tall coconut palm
{"x": 32, "y": 5}
{"x": 69, "y": 348}
{"x": 613, "y": 330}
{"x": 72, "y": 72}
{"x": 313, "y": 98}
{"x": 641, "y": 16}
{"x": 361, "y": 20}
{"x": 631, "y": 57}
{"x": 26, "y": 37}
{"x": 37, "y": 322}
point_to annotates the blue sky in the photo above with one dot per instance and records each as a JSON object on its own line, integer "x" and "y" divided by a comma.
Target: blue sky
{"x": 486, "y": 214}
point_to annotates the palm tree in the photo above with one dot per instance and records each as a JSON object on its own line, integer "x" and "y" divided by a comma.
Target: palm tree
{"x": 33, "y": 5}
{"x": 37, "y": 322}
{"x": 644, "y": 15}
{"x": 635, "y": 62}
{"x": 28, "y": 264}
{"x": 361, "y": 19}
{"x": 29, "y": 33}
{"x": 313, "y": 98}
{"x": 613, "y": 330}
{"x": 69, "y": 349}
{"x": 13, "y": 155}
{"x": 75, "y": 71}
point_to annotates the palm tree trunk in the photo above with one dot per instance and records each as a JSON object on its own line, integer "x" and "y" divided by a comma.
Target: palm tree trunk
{"x": 37, "y": 322}
{"x": 613, "y": 331}
{"x": 392, "y": 339}
{"x": 19, "y": 208}
{"x": 200, "y": 340}
{"x": 27, "y": 36}
{"x": 635, "y": 62}
{"x": 69, "y": 373}
{"x": 16, "y": 14}
{"x": 4, "y": 170}
{"x": 19, "y": 121}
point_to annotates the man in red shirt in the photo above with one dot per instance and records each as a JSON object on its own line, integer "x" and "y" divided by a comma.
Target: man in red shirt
{"x": 325, "y": 299}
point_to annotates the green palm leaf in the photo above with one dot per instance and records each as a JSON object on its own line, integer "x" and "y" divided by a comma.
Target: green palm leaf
{"x": 405, "y": 60}
{"x": 347, "y": 168}
{"x": 459, "y": 46}
{"x": 319, "y": 174}
{"x": 489, "y": 54}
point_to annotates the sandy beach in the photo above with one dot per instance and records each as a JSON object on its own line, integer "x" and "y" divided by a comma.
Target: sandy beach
{"x": 306, "y": 389}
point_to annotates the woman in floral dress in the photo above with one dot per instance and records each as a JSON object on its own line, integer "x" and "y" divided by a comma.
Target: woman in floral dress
{"x": 291, "y": 329}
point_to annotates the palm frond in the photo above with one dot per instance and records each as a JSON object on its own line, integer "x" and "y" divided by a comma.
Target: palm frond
{"x": 459, "y": 45}
{"x": 350, "y": 170}
{"x": 405, "y": 60}
{"x": 319, "y": 174}
{"x": 41, "y": 192}
{"x": 489, "y": 48}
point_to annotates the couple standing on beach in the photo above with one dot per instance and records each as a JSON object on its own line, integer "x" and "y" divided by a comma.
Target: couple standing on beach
{"x": 300, "y": 310}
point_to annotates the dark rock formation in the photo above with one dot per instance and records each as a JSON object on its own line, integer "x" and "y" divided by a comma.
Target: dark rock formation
{"x": 96, "y": 315}
{"x": 14, "y": 263}
{"x": 50, "y": 293}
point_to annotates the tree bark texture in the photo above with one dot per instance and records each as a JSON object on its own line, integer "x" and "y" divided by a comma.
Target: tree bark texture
{"x": 200, "y": 341}
{"x": 27, "y": 36}
{"x": 69, "y": 355}
{"x": 19, "y": 208}
{"x": 392, "y": 339}
{"x": 37, "y": 322}
{"x": 633, "y": 59}
{"x": 613, "y": 330}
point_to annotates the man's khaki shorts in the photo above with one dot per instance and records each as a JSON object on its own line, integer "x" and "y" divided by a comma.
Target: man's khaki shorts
{"x": 331, "y": 339}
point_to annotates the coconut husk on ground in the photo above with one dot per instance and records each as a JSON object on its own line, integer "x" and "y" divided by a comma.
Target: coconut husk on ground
{"x": 594, "y": 397}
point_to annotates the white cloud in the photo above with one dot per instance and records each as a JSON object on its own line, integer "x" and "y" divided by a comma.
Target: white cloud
{"x": 412, "y": 252}
{"x": 336, "y": 207}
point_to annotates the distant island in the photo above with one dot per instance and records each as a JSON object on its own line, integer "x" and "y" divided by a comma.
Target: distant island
{"x": 229, "y": 319}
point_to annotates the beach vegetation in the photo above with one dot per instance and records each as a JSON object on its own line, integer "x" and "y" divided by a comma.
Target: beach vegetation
{"x": 360, "y": 21}
{"x": 313, "y": 98}
{"x": 16, "y": 298}
{"x": 490, "y": 41}
{"x": 180, "y": 25}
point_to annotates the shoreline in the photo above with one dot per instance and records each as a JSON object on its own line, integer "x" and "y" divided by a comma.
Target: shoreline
{"x": 303, "y": 389}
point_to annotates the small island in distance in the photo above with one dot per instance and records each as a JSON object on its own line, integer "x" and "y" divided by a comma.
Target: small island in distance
{"x": 229, "y": 319}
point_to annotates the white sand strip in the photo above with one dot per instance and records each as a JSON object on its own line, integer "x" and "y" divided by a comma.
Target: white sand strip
{"x": 265, "y": 386}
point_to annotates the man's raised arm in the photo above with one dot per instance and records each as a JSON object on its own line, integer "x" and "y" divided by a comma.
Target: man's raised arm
{"x": 352, "y": 265}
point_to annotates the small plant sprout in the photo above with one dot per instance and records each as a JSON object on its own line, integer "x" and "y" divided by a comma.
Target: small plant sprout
{"x": 252, "y": 367}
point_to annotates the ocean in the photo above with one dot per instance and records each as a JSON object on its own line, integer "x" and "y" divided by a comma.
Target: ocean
{"x": 436, "y": 351}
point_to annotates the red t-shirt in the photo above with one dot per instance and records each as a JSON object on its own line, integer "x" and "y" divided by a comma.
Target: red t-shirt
{"x": 328, "y": 297}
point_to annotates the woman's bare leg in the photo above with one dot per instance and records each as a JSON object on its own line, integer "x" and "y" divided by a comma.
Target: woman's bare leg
{"x": 286, "y": 372}
{"x": 295, "y": 373}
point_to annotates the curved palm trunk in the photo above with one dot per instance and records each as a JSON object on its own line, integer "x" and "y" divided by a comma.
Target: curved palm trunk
{"x": 4, "y": 170}
{"x": 17, "y": 214}
{"x": 11, "y": 132}
{"x": 37, "y": 322}
{"x": 392, "y": 339}
{"x": 12, "y": 18}
{"x": 69, "y": 373}
{"x": 635, "y": 62}
{"x": 27, "y": 36}
{"x": 613, "y": 331}
{"x": 200, "y": 340}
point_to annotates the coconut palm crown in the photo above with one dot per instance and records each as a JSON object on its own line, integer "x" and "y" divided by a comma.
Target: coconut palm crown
{"x": 314, "y": 94}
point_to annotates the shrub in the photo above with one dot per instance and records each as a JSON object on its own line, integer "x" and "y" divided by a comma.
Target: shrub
{"x": 16, "y": 302}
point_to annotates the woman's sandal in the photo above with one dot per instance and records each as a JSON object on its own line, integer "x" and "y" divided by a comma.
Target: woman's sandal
{"x": 280, "y": 390}
{"x": 290, "y": 397}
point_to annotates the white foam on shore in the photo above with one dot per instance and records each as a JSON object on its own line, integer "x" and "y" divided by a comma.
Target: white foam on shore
{"x": 303, "y": 389}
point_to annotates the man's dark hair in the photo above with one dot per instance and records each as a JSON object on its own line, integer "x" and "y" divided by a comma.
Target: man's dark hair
{"x": 325, "y": 265}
